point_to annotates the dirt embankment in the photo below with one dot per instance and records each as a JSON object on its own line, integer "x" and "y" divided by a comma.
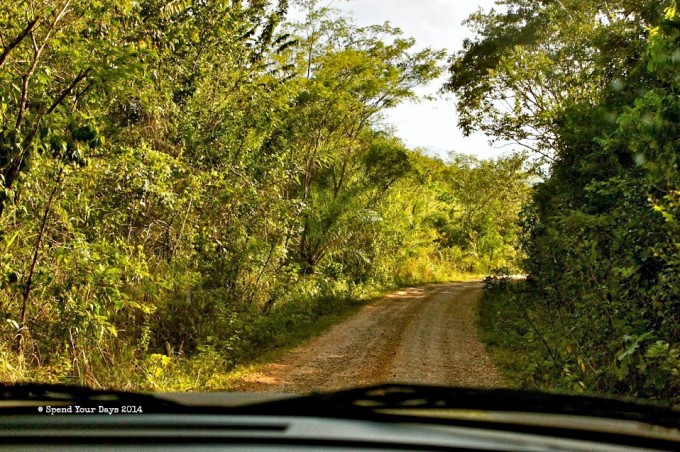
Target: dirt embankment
{"x": 420, "y": 335}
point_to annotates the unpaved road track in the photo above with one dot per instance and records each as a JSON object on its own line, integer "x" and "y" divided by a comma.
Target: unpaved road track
{"x": 420, "y": 335}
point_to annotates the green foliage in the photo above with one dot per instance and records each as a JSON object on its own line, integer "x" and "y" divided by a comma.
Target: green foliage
{"x": 186, "y": 184}
{"x": 532, "y": 60}
{"x": 538, "y": 348}
{"x": 601, "y": 234}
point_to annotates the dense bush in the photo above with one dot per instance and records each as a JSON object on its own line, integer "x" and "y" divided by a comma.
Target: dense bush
{"x": 540, "y": 347}
{"x": 602, "y": 233}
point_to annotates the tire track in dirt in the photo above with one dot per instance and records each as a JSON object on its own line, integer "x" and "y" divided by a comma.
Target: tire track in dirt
{"x": 421, "y": 335}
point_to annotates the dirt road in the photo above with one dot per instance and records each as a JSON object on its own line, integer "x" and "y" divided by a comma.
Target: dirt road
{"x": 421, "y": 335}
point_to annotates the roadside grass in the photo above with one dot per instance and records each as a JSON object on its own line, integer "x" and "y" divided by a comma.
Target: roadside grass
{"x": 514, "y": 346}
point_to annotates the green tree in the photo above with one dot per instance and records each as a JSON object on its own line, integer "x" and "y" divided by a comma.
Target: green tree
{"x": 347, "y": 85}
{"x": 532, "y": 60}
{"x": 601, "y": 231}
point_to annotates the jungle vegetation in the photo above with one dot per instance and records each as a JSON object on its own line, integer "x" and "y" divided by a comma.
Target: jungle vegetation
{"x": 184, "y": 183}
{"x": 591, "y": 88}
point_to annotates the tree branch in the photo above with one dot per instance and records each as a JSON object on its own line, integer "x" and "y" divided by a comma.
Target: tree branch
{"x": 12, "y": 172}
{"x": 25, "y": 293}
{"x": 68, "y": 90}
{"x": 20, "y": 37}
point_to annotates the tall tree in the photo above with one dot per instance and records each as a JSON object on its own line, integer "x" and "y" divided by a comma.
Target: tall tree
{"x": 531, "y": 60}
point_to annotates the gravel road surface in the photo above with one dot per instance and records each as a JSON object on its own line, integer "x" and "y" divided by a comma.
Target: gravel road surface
{"x": 423, "y": 335}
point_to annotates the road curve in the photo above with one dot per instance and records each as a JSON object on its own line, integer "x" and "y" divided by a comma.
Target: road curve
{"x": 423, "y": 335}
